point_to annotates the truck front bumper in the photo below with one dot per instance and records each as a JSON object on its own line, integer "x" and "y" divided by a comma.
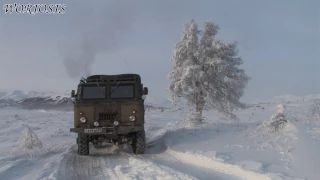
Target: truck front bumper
{"x": 107, "y": 130}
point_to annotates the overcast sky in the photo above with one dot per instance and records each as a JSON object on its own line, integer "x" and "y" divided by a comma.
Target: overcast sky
{"x": 278, "y": 41}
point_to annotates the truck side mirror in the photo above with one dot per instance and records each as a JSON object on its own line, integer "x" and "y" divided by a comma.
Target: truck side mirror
{"x": 72, "y": 93}
{"x": 145, "y": 91}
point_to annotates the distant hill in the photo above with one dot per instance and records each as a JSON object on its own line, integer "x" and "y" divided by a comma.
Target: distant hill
{"x": 59, "y": 100}
{"x": 62, "y": 100}
{"x": 290, "y": 98}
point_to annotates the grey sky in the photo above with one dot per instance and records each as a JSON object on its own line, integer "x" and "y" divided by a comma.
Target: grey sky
{"x": 278, "y": 41}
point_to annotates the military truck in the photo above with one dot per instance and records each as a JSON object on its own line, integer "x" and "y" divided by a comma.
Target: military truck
{"x": 109, "y": 109}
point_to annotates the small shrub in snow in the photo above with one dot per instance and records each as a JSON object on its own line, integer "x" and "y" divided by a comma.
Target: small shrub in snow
{"x": 277, "y": 121}
{"x": 314, "y": 111}
{"x": 280, "y": 109}
{"x": 28, "y": 141}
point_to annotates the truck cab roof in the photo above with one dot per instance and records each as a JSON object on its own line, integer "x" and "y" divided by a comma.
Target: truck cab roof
{"x": 114, "y": 78}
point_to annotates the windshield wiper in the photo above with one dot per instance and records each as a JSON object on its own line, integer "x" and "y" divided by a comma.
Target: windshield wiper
{"x": 102, "y": 91}
{"x": 115, "y": 88}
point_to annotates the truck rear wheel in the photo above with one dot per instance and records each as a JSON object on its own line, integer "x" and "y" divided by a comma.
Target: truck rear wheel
{"x": 139, "y": 142}
{"x": 83, "y": 144}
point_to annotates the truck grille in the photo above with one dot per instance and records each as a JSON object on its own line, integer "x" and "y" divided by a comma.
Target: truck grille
{"x": 107, "y": 116}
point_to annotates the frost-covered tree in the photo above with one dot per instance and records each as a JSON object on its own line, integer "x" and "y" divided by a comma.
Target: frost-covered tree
{"x": 206, "y": 71}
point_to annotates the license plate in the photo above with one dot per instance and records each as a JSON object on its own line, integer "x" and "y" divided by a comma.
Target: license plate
{"x": 97, "y": 130}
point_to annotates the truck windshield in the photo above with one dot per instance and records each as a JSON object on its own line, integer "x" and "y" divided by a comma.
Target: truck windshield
{"x": 122, "y": 91}
{"x": 93, "y": 92}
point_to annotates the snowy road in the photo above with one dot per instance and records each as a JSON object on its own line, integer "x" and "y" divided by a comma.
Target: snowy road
{"x": 159, "y": 162}
{"x": 128, "y": 166}
{"x": 116, "y": 166}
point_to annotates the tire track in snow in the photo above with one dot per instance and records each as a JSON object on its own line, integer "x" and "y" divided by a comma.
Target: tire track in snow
{"x": 160, "y": 150}
{"x": 42, "y": 166}
{"x": 159, "y": 162}
{"x": 117, "y": 166}
{"x": 141, "y": 167}
{"x": 169, "y": 164}
{"x": 108, "y": 172}
{"x": 173, "y": 162}
{"x": 74, "y": 166}
{"x": 205, "y": 162}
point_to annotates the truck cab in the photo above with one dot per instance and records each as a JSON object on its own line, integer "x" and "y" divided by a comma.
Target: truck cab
{"x": 109, "y": 108}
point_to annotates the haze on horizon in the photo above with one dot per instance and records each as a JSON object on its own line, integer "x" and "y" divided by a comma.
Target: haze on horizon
{"x": 278, "y": 41}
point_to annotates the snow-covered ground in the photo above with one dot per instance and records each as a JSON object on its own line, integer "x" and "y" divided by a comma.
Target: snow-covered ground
{"x": 219, "y": 149}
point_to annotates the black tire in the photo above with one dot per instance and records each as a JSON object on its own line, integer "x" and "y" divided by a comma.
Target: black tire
{"x": 139, "y": 142}
{"x": 83, "y": 144}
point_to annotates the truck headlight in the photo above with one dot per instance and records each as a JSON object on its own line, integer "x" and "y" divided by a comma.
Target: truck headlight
{"x": 96, "y": 124}
{"x": 132, "y": 118}
{"x": 116, "y": 123}
{"x": 83, "y": 119}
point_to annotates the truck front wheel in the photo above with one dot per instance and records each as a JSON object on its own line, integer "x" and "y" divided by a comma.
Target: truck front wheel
{"x": 83, "y": 144}
{"x": 139, "y": 142}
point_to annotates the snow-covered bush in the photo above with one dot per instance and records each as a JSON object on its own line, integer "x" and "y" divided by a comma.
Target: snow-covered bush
{"x": 206, "y": 72}
{"x": 28, "y": 141}
{"x": 314, "y": 111}
{"x": 277, "y": 121}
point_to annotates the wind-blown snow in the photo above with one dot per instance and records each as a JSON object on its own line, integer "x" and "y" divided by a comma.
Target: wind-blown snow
{"x": 219, "y": 149}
